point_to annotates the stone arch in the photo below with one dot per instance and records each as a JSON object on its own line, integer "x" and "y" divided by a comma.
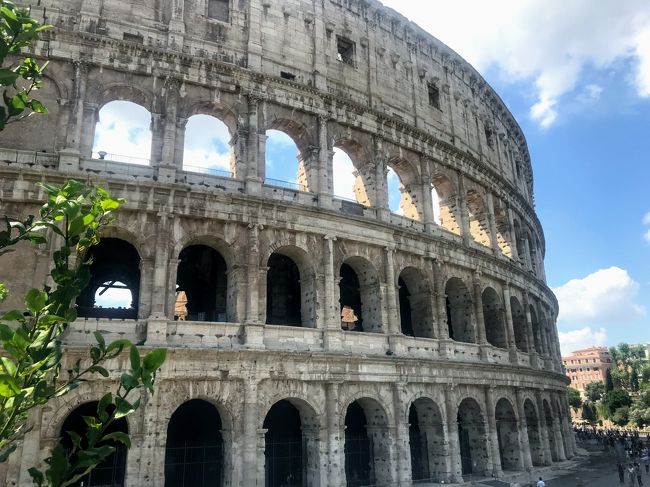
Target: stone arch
{"x": 194, "y": 446}
{"x": 495, "y": 326}
{"x": 221, "y": 111}
{"x": 459, "y": 311}
{"x": 142, "y": 243}
{"x": 364, "y": 185}
{"x": 112, "y": 470}
{"x": 295, "y": 269}
{"x": 292, "y": 449}
{"x": 219, "y": 244}
{"x": 478, "y": 217}
{"x": 360, "y": 291}
{"x": 519, "y": 324}
{"x": 106, "y": 93}
{"x": 534, "y": 433}
{"x": 447, "y": 197}
{"x": 410, "y": 187}
{"x": 367, "y": 443}
{"x": 202, "y": 285}
{"x": 115, "y": 267}
{"x": 507, "y": 435}
{"x": 548, "y": 422}
{"x": 502, "y": 228}
{"x": 416, "y": 317}
{"x": 426, "y": 440}
{"x": 472, "y": 438}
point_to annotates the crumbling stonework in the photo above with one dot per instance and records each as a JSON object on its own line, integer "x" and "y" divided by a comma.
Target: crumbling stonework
{"x": 466, "y": 381}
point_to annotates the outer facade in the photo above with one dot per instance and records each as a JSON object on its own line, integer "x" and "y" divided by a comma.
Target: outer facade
{"x": 456, "y": 369}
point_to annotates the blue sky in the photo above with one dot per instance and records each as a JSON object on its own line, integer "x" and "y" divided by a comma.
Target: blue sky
{"x": 577, "y": 79}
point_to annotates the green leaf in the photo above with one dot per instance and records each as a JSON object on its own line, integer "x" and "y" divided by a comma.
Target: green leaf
{"x": 6, "y": 333}
{"x": 103, "y": 404}
{"x": 118, "y": 346}
{"x": 99, "y": 369}
{"x": 128, "y": 381}
{"x": 119, "y": 436}
{"x": 35, "y": 301}
{"x": 154, "y": 359}
{"x": 13, "y": 315}
{"x": 123, "y": 407}
{"x": 100, "y": 340}
{"x": 8, "y": 365}
{"x": 135, "y": 358}
{"x": 7, "y": 77}
{"x": 8, "y": 386}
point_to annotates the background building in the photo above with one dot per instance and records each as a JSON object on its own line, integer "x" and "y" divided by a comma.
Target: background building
{"x": 586, "y": 366}
{"x": 446, "y": 363}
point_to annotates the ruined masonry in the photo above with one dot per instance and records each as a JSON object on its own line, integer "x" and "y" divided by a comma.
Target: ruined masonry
{"x": 313, "y": 340}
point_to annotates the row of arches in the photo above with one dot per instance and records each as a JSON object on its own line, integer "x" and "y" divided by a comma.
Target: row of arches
{"x": 288, "y": 157}
{"x": 205, "y": 289}
{"x": 438, "y": 445}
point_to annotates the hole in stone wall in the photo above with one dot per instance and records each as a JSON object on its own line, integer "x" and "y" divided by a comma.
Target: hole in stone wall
{"x": 459, "y": 311}
{"x": 359, "y": 460}
{"x": 405, "y": 308}
{"x": 283, "y": 293}
{"x": 434, "y": 95}
{"x": 283, "y": 453}
{"x": 350, "y": 299}
{"x": 495, "y": 332}
{"x": 519, "y": 324}
{"x": 419, "y": 447}
{"x": 345, "y": 50}
{"x": 194, "y": 449}
{"x": 113, "y": 261}
{"x": 112, "y": 469}
{"x": 219, "y": 10}
{"x": 472, "y": 438}
{"x": 507, "y": 435}
{"x": 202, "y": 285}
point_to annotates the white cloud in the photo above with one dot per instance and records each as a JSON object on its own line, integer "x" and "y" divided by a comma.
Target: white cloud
{"x": 549, "y": 43}
{"x": 646, "y": 236}
{"x": 123, "y": 131}
{"x": 582, "y": 338}
{"x": 605, "y": 296}
{"x": 591, "y": 93}
{"x": 646, "y": 219}
{"x": 207, "y": 146}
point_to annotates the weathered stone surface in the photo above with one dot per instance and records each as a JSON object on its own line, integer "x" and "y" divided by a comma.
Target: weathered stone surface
{"x": 398, "y": 99}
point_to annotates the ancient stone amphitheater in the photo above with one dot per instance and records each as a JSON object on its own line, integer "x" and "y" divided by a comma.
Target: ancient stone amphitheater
{"x": 317, "y": 340}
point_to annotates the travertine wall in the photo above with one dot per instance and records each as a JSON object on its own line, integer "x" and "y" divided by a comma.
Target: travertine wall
{"x": 168, "y": 57}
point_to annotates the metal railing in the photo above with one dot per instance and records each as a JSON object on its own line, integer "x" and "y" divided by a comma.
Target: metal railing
{"x": 282, "y": 184}
{"x": 108, "y": 156}
{"x": 207, "y": 170}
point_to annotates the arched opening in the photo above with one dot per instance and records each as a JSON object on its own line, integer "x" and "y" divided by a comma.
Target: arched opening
{"x": 207, "y": 147}
{"x": 427, "y": 442}
{"x": 414, "y": 304}
{"x": 367, "y": 444}
{"x": 507, "y": 436}
{"x": 111, "y": 471}
{"x": 280, "y": 169}
{"x": 350, "y": 173}
{"x": 495, "y": 329}
{"x": 113, "y": 261}
{"x": 123, "y": 133}
{"x": 537, "y": 336}
{"x": 519, "y": 241}
{"x": 359, "y": 296}
{"x": 194, "y": 449}
{"x": 113, "y": 294}
{"x": 284, "y": 457}
{"x": 472, "y": 438}
{"x": 459, "y": 311}
{"x": 548, "y": 419}
{"x": 502, "y": 226}
{"x": 403, "y": 188}
{"x": 478, "y": 222}
{"x": 283, "y": 293}
{"x": 519, "y": 324}
{"x": 201, "y": 285}
{"x": 534, "y": 438}
{"x": 447, "y": 204}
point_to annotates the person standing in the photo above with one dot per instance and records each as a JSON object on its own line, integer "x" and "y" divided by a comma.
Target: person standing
{"x": 637, "y": 472}
{"x": 541, "y": 483}
{"x": 621, "y": 472}
{"x": 631, "y": 475}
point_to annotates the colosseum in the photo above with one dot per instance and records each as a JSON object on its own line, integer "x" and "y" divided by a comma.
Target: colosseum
{"x": 314, "y": 339}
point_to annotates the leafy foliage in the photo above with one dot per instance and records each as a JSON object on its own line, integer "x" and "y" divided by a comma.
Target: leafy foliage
{"x": 616, "y": 399}
{"x": 30, "y": 365}
{"x": 594, "y": 391}
{"x": 17, "y": 31}
{"x": 575, "y": 401}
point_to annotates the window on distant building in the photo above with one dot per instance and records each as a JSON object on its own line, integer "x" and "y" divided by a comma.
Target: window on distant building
{"x": 434, "y": 95}
{"x": 345, "y": 50}
{"x": 219, "y": 10}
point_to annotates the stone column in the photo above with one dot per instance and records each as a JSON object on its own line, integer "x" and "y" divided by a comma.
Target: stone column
{"x": 176, "y": 32}
{"x": 427, "y": 200}
{"x": 496, "y": 250}
{"x": 332, "y": 333}
{"x": 381, "y": 189}
{"x": 451, "y": 413}
{"x": 530, "y": 335}
{"x": 492, "y": 432}
{"x": 557, "y": 432}
{"x": 166, "y": 164}
{"x": 254, "y": 177}
{"x": 478, "y": 309}
{"x": 403, "y": 464}
{"x": 543, "y": 429}
{"x": 440, "y": 299}
{"x": 70, "y": 155}
{"x": 464, "y": 214}
{"x": 324, "y": 163}
{"x": 571, "y": 439}
{"x": 510, "y": 328}
{"x": 250, "y": 429}
{"x": 90, "y": 118}
{"x": 254, "y": 329}
{"x": 391, "y": 295}
{"x": 513, "y": 236}
{"x": 335, "y": 451}
{"x": 522, "y": 430}
{"x": 172, "y": 276}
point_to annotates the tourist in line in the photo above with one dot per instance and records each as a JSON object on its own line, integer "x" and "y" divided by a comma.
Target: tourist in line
{"x": 621, "y": 472}
{"x": 637, "y": 472}
{"x": 541, "y": 483}
{"x": 631, "y": 475}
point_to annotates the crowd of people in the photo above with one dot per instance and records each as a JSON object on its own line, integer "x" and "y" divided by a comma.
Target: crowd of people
{"x": 631, "y": 447}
